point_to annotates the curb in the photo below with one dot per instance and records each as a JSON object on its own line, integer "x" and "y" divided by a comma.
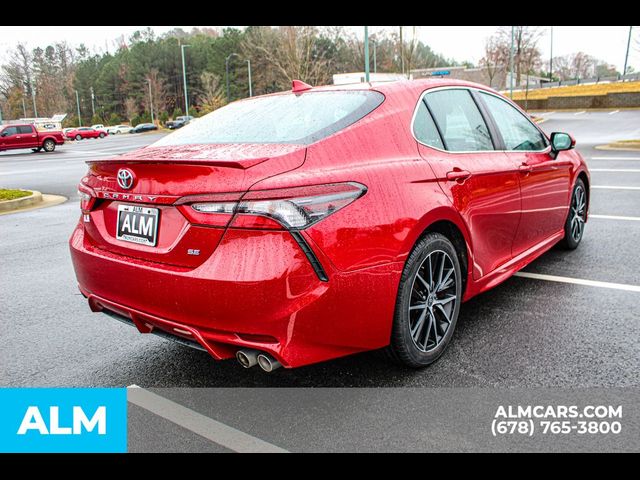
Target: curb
{"x": 22, "y": 202}
{"x": 45, "y": 201}
{"x": 620, "y": 149}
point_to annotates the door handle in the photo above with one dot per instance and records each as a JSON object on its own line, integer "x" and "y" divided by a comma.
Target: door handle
{"x": 525, "y": 169}
{"x": 458, "y": 175}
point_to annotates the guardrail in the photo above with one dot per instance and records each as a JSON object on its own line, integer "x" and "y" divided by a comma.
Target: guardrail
{"x": 631, "y": 77}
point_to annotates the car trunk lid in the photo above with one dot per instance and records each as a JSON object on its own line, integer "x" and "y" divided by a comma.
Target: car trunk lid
{"x": 161, "y": 179}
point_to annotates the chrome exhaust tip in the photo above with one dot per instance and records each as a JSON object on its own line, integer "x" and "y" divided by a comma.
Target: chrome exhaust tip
{"x": 267, "y": 362}
{"x": 247, "y": 358}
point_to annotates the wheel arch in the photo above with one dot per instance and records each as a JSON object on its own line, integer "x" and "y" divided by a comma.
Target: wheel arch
{"x": 585, "y": 178}
{"x": 448, "y": 223}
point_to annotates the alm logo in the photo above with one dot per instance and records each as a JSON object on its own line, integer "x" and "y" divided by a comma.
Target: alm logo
{"x": 33, "y": 420}
{"x": 63, "y": 420}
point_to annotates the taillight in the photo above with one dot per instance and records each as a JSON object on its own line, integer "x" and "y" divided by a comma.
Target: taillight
{"x": 87, "y": 198}
{"x": 292, "y": 208}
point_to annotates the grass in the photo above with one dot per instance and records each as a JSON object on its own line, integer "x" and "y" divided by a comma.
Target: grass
{"x": 579, "y": 90}
{"x": 12, "y": 194}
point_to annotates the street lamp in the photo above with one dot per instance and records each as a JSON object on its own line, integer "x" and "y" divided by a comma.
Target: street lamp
{"x": 150, "y": 100}
{"x": 226, "y": 70}
{"x": 184, "y": 79}
{"x": 366, "y": 54}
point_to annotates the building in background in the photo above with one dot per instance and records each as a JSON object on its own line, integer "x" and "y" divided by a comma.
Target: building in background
{"x": 358, "y": 77}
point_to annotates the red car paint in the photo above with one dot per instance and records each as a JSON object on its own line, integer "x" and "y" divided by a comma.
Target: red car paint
{"x": 85, "y": 132}
{"x": 253, "y": 286}
{"x": 13, "y": 137}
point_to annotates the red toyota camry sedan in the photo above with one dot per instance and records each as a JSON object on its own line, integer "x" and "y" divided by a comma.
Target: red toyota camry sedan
{"x": 302, "y": 226}
{"x": 81, "y": 133}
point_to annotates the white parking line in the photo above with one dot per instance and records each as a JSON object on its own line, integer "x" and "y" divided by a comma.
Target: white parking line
{"x": 199, "y": 424}
{"x": 614, "y": 187}
{"x": 626, "y": 170}
{"x": 614, "y": 158}
{"x": 579, "y": 281}
{"x": 580, "y": 113}
{"x": 40, "y": 170}
{"x": 615, "y": 217}
{"x": 614, "y": 112}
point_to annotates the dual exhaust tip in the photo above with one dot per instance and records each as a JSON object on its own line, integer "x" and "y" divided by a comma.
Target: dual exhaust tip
{"x": 250, "y": 358}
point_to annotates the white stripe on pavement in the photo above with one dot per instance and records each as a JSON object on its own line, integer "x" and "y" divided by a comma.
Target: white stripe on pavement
{"x": 40, "y": 170}
{"x": 614, "y": 112}
{"x": 626, "y": 170}
{"x": 614, "y": 217}
{"x": 614, "y": 187}
{"x": 579, "y": 281}
{"x": 614, "y": 158}
{"x": 580, "y": 113}
{"x": 199, "y": 424}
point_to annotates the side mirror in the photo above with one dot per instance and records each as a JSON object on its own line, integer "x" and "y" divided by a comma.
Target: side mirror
{"x": 4, "y": 134}
{"x": 561, "y": 142}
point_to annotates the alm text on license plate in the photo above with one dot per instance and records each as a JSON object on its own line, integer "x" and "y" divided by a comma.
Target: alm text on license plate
{"x": 138, "y": 224}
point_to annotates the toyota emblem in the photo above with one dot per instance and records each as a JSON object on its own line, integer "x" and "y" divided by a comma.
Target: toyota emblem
{"x": 125, "y": 178}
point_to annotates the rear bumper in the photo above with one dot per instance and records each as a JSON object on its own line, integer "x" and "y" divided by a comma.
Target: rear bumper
{"x": 257, "y": 290}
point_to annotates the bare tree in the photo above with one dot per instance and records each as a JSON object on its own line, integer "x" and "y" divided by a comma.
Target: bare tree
{"x": 211, "y": 96}
{"x": 131, "y": 108}
{"x": 525, "y": 46}
{"x": 493, "y": 58}
{"x": 158, "y": 91}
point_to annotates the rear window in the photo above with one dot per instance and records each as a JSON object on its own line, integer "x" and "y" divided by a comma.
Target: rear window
{"x": 289, "y": 118}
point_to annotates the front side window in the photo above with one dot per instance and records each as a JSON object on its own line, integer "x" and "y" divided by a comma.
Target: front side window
{"x": 289, "y": 118}
{"x": 9, "y": 131}
{"x": 517, "y": 131}
{"x": 459, "y": 120}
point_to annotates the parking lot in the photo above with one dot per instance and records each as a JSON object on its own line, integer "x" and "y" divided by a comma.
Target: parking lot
{"x": 572, "y": 321}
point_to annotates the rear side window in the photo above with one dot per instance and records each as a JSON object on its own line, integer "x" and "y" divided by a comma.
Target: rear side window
{"x": 459, "y": 120}
{"x": 299, "y": 119}
{"x": 425, "y": 129}
{"x": 517, "y": 131}
{"x": 25, "y": 129}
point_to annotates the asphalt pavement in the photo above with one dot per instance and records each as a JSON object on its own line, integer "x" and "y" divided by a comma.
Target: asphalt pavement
{"x": 527, "y": 332}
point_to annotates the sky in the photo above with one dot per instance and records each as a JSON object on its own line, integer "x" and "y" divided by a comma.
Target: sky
{"x": 459, "y": 43}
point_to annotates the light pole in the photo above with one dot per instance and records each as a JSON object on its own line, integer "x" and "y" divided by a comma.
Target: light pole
{"x": 511, "y": 65}
{"x": 366, "y": 54}
{"x": 249, "y": 72}
{"x": 401, "y": 51}
{"x": 78, "y": 106}
{"x": 24, "y": 108}
{"x": 626, "y": 55}
{"x": 150, "y": 100}
{"x": 551, "y": 58}
{"x": 184, "y": 79}
{"x": 375, "y": 60}
{"x": 93, "y": 105}
{"x": 33, "y": 97}
{"x": 226, "y": 70}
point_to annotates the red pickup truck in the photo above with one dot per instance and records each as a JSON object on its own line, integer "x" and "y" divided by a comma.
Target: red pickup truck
{"x": 13, "y": 137}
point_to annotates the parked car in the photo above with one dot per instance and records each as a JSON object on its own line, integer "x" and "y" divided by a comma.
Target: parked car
{"x": 179, "y": 122}
{"x": 14, "y": 137}
{"x": 118, "y": 129}
{"x": 144, "y": 127}
{"x": 85, "y": 132}
{"x": 99, "y": 126}
{"x": 298, "y": 227}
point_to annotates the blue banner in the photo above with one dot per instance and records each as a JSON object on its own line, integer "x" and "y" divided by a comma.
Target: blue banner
{"x": 63, "y": 420}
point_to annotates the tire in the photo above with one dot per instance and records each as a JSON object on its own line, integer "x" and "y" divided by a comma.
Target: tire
{"x": 36, "y": 150}
{"x": 420, "y": 335}
{"x": 102, "y": 135}
{"x": 78, "y": 137}
{"x": 49, "y": 145}
{"x": 574, "y": 225}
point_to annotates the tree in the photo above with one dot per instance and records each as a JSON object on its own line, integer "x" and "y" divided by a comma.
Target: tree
{"x": 525, "y": 47}
{"x": 493, "y": 59}
{"x": 211, "y": 96}
{"x": 131, "y": 108}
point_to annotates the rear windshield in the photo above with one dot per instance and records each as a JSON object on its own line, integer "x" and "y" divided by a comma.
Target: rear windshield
{"x": 298, "y": 119}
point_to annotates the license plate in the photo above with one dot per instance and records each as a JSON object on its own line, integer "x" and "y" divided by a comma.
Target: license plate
{"x": 138, "y": 224}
